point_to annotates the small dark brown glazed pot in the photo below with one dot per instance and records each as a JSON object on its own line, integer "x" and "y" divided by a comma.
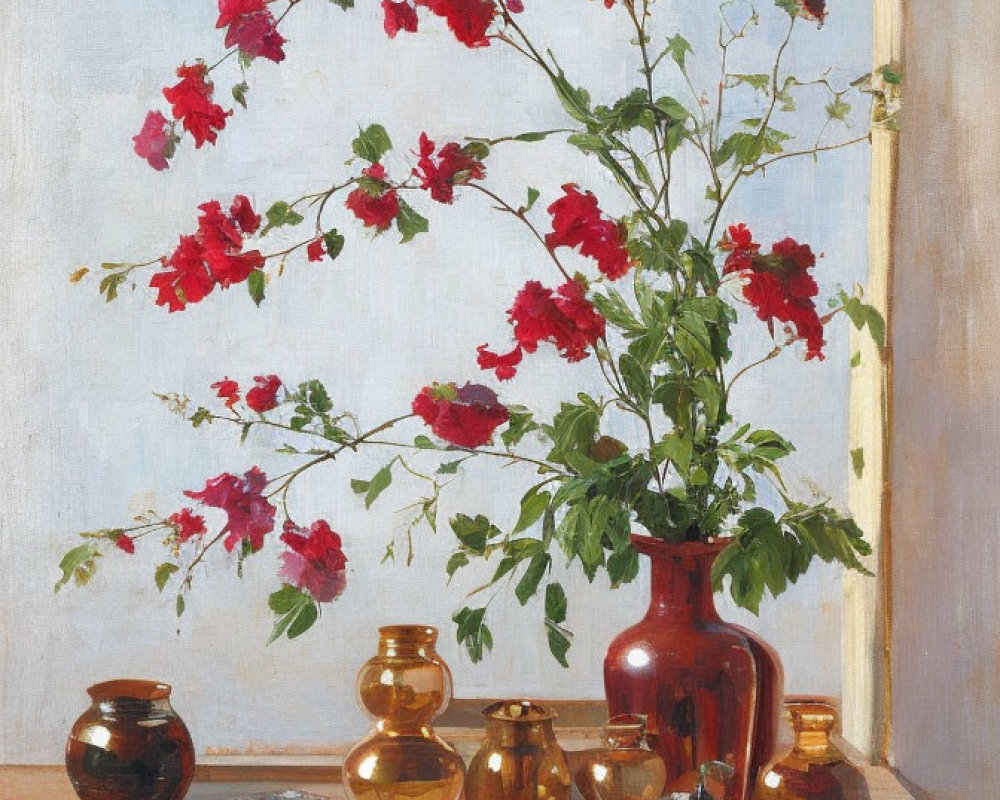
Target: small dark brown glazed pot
{"x": 130, "y": 745}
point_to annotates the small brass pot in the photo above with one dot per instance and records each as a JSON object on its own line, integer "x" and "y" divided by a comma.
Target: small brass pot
{"x": 520, "y": 759}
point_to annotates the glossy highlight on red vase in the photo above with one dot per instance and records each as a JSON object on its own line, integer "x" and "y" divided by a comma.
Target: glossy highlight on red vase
{"x": 130, "y": 744}
{"x": 710, "y": 690}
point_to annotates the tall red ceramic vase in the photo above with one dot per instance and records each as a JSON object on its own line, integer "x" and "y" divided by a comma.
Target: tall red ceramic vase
{"x": 711, "y": 691}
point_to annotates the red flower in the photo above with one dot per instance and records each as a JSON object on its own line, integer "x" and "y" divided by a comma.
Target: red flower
{"x": 227, "y": 390}
{"x": 566, "y": 318}
{"x": 187, "y": 280}
{"x": 578, "y": 222}
{"x": 315, "y": 251}
{"x": 155, "y": 142}
{"x": 125, "y": 542}
{"x": 454, "y": 166}
{"x": 243, "y": 215}
{"x": 264, "y": 396}
{"x": 505, "y": 364}
{"x": 212, "y": 256}
{"x": 468, "y": 19}
{"x": 187, "y": 524}
{"x": 314, "y": 560}
{"x": 813, "y": 9}
{"x": 399, "y": 16}
{"x": 191, "y": 103}
{"x": 465, "y": 417}
{"x": 252, "y": 28}
{"x": 250, "y": 515}
{"x": 516, "y": 6}
{"x": 779, "y": 286}
{"x": 231, "y": 10}
{"x": 374, "y": 202}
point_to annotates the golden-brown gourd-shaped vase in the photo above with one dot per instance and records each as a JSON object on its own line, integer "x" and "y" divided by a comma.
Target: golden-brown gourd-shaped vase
{"x": 625, "y": 768}
{"x": 402, "y": 689}
{"x": 815, "y": 769}
{"x": 520, "y": 759}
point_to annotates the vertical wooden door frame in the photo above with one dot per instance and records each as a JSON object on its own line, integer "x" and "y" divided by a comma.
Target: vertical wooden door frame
{"x": 867, "y": 633}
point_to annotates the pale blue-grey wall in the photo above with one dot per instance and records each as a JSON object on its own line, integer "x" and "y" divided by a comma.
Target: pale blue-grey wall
{"x": 84, "y": 443}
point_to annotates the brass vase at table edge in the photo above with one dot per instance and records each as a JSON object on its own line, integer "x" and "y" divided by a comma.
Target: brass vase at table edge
{"x": 520, "y": 759}
{"x": 403, "y": 688}
{"x": 815, "y": 769}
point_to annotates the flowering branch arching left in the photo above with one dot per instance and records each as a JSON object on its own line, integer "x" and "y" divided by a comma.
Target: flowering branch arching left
{"x": 654, "y": 313}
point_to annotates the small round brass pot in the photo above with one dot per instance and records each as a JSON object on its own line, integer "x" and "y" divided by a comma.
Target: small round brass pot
{"x": 520, "y": 759}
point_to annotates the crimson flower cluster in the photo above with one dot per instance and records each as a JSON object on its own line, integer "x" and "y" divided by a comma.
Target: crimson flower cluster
{"x": 464, "y": 416}
{"x": 314, "y": 561}
{"x": 467, "y": 19}
{"x": 250, "y": 515}
{"x": 251, "y": 27}
{"x": 778, "y": 284}
{"x": 564, "y": 317}
{"x": 212, "y": 256}
{"x": 263, "y": 396}
{"x": 452, "y": 165}
{"x": 375, "y": 201}
{"x": 577, "y": 221}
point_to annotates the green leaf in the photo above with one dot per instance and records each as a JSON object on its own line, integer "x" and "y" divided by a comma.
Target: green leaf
{"x": 474, "y": 533}
{"x": 623, "y": 566}
{"x": 636, "y": 379}
{"x": 280, "y": 214}
{"x": 372, "y": 143}
{"x": 864, "y": 315}
{"x": 678, "y": 47}
{"x": 78, "y": 564}
{"x": 576, "y": 101}
{"x": 533, "y": 505}
{"x": 856, "y": 359}
{"x": 520, "y": 422}
{"x": 286, "y": 599}
{"x": 759, "y": 81}
{"x": 770, "y": 445}
{"x": 409, "y": 223}
{"x": 573, "y": 428}
{"x": 532, "y": 576}
{"x": 378, "y": 484}
{"x": 559, "y": 643}
{"x": 533, "y": 195}
{"x": 455, "y": 563}
{"x": 163, "y": 573}
{"x": 110, "y": 283}
{"x": 858, "y": 462}
{"x": 450, "y": 467}
{"x": 672, "y": 108}
{"x": 555, "y": 603}
{"x": 240, "y": 93}
{"x": 304, "y": 620}
{"x": 588, "y": 142}
{"x": 179, "y": 605}
{"x": 255, "y": 286}
{"x": 472, "y": 632}
{"x": 890, "y": 75}
{"x": 334, "y": 243}
{"x": 424, "y": 442}
{"x": 791, "y": 6}
{"x": 838, "y": 110}
{"x": 678, "y": 449}
{"x": 344, "y": 4}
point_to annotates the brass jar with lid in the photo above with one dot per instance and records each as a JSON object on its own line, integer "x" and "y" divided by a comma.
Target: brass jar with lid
{"x": 520, "y": 759}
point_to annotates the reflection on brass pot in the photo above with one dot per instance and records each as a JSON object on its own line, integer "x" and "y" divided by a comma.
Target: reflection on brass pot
{"x": 625, "y": 768}
{"x": 520, "y": 759}
{"x": 815, "y": 769}
{"x": 130, "y": 745}
{"x": 402, "y": 689}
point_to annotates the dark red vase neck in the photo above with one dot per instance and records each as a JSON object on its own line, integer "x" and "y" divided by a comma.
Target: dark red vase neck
{"x": 681, "y": 580}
